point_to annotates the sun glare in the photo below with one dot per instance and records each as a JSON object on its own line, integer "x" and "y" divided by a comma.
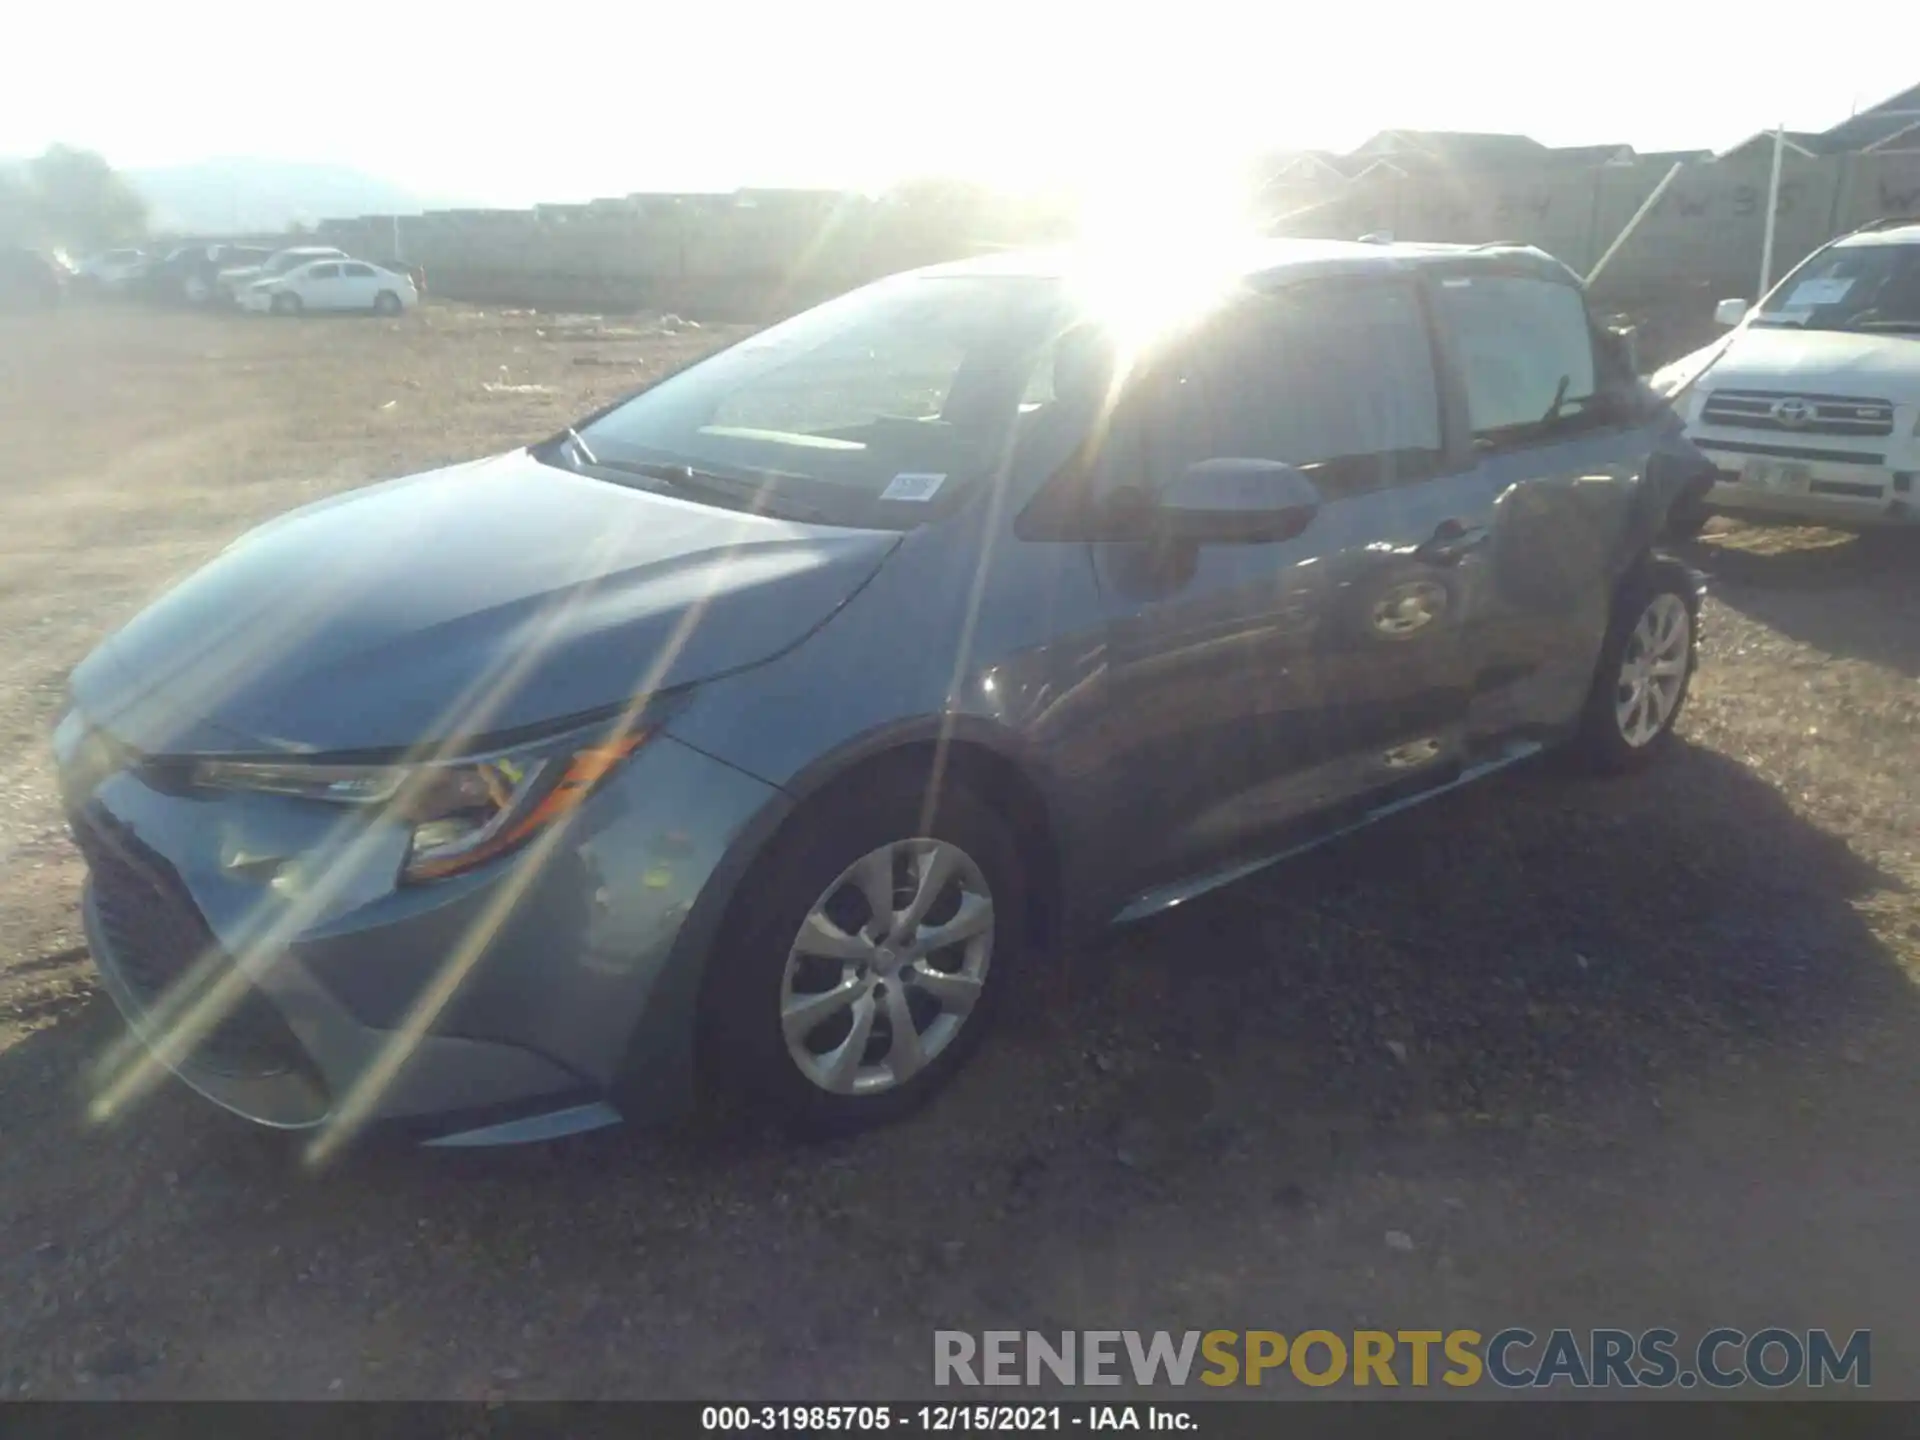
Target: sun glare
{"x": 1155, "y": 251}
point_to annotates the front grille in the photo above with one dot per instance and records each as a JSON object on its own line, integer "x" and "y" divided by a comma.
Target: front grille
{"x": 159, "y": 942}
{"x": 1866, "y": 417}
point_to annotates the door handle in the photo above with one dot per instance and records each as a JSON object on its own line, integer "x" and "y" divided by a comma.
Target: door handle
{"x": 1451, "y": 540}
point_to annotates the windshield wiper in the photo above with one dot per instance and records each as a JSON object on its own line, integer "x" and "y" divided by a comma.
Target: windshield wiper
{"x": 743, "y": 493}
{"x": 1559, "y": 400}
{"x": 579, "y": 445}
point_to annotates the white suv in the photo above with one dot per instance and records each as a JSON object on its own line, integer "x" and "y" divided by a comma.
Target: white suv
{"x": 1810, "y": 408}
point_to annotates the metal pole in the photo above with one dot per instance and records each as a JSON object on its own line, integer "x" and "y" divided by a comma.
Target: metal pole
{"x": 1646, "y": 206}
{"x": 1773, "y": 213}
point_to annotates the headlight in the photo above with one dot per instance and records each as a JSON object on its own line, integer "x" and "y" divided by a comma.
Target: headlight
{"x": 461, "y": 813}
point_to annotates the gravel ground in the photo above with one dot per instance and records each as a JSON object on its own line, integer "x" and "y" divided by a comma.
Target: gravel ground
{"x": 1634, "y": 1053}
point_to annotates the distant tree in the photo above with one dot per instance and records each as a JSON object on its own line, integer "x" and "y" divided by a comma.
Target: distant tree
{"x": 73, "y": 198}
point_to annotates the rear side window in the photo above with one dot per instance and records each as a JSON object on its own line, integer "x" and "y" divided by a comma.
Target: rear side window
{"x": 1527, "y": 353}
{"x": 1335, "y": 378}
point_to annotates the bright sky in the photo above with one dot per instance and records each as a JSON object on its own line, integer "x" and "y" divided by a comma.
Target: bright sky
{"x": 498, "y": 103}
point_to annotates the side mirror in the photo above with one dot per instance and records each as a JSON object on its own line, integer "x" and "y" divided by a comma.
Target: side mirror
{"x": 1729, "y": 312}
{"x": 1622, "y": 344}
{"x": 1233, "y": 501}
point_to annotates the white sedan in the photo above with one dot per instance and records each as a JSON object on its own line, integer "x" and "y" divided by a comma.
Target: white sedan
{"x": 115, "y": 269}
{"x": 333, "y": 285}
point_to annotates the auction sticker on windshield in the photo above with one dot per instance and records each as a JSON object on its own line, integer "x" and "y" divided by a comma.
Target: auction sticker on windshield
{"x": 1819, "y": 292}
{"x": 911, "y": 485}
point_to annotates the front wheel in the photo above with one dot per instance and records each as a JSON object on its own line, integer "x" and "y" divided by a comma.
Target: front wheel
{"x": 1640, "y": 684}
{"x": 286, "y": 303}
{"x": 386, "y": 303}
{"x": 1686, "y": 520}
{"x": 865, "y": 958}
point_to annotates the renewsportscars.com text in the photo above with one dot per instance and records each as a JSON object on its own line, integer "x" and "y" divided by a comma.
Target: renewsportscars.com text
{"x": 1512, "y": 1358}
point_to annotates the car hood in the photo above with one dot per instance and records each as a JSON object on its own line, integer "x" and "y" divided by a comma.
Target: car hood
{"x": 1827, "y": 362}
{"x": 478, "y": 600}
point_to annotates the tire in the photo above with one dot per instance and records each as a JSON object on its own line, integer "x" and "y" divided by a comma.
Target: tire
{"x": 286, "y": 303}
{"x": 812, "y": 876}
{"x": 1686, "y": 520}
{"x": 386, "y": 303}
{"x": 1617, "y": 733}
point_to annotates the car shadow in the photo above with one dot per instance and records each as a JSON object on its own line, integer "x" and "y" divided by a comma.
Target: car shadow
{"x": 1178, "y": 1128}
{"x": 1851, "y": 596}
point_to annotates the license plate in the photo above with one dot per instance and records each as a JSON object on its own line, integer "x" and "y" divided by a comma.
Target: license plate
{"x": 1776, "y": 476}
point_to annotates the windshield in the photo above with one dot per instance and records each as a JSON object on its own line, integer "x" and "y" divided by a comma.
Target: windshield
{"x": 871, "y": 409}
{"x": 1851, "y": 287}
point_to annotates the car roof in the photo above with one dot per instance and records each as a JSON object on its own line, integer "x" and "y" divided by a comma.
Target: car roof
{"x": 1898, "y": 233}
{"x": 1261, "y": 260}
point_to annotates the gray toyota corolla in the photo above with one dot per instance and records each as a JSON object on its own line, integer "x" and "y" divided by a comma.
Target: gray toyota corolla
{"x": 758, "y": 730}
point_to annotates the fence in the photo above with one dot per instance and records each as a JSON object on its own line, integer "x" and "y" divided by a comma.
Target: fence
{"x": 1707, "y": 230}
{"x": 1702, "y": 240}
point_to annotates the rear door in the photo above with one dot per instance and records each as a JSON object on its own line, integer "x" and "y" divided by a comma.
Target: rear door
{"x": 1252, "y": 686}
{"x": 1562, "y": 450}
{"x": 359, "y": 283}
{"x": 322, "y": 288}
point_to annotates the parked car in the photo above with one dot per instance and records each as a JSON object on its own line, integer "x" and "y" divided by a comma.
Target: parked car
{"x": 1810, "y": 406}
{"x": 114, "y": 270}
{"x": 30, "y": 279}
{"x": 759, "y": 728}
{"x": 163, "y": 279}
{"x": 232, "y": 281}
{"x": 190, "y": 273}
{"x": 332, "y": 285}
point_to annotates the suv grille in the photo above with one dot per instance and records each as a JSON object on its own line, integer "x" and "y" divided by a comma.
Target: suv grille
{"x": 157, "y": 936}
{"x": 1789, "y": 412}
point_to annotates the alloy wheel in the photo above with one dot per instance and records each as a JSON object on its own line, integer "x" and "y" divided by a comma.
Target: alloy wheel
{"x": 888, "y": 965}
{"x": 1653, "y": 670}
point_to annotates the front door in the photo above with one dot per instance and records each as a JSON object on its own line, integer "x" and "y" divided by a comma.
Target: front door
{"x": 1251, "y": 686}
{"x": 1563, "y": 449}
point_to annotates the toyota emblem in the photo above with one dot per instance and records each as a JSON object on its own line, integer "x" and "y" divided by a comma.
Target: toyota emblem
{"x": 1793, "y": 412}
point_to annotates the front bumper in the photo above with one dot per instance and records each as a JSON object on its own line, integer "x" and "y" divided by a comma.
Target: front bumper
{"x": 260, "y": 301}
{"x": 500, "y": 1005}
{"x": 1829, "y": 491}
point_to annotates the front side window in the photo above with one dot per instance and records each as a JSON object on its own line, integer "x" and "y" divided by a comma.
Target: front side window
{"x": 1335, "y": 378}
{"x": 870, "y": 409}
{"x": 322, "y": 272}
{"x": 1527, "y": 353}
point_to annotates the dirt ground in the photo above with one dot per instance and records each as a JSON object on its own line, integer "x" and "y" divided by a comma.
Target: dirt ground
{"x": 1628, "y": 1054}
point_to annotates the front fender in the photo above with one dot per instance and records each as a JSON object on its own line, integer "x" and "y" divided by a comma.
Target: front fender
{"x": 1678, "y": 473}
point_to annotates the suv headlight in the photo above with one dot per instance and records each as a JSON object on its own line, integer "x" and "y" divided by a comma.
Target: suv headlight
{"x": 461, "y": 813}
